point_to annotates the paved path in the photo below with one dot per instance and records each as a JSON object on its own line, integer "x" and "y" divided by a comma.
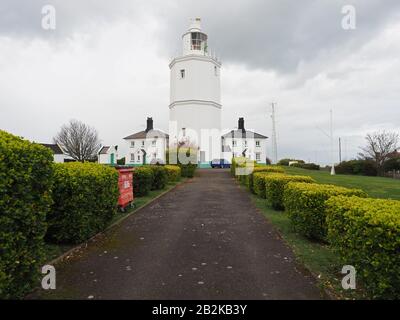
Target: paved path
{"x": 203, "y": 240}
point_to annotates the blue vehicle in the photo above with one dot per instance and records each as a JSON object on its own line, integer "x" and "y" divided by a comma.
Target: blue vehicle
{"x": 220, "y": 163}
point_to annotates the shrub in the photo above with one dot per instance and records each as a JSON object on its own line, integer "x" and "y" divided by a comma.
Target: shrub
{"x": 85, "y": 200}
{"x": 160, "y": 177}
{"x": 26, "y": 171}
{"x": 275, "y": 186}
{"x": 187, "y": 170}
{"x": 142, "y": 181}
{"x": 285, "y": 162}
{"x": 305, "y": 204}
{"x": 308, "y": 166}
{"x": 173, "y": 173}
{"x": 366, "y": 234}
{"x": 259, "y": 184}
{"x": 270, "y": 169}
{"x": 357, "y": 167}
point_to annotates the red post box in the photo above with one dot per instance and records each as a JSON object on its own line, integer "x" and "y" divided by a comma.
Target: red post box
{"x": 125, "y": 184}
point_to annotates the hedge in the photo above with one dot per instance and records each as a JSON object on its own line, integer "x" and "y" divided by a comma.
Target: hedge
{"x": 187, "y": 170}
{"x": 173, "y": 173}
{"x": 160, "y": 177}
{"x": 305, "y": 205}
{"x": 142, "y": 181}
{"x": 275, "y": 186}
{"x": 249, "y": 182}
{"x": 85, "y": 200}
{"x": 308, "y": 166}
{"x": 366, "y": 234}
{"x": 26, "y": 171}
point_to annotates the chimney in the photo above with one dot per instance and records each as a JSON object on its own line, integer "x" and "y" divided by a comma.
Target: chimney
{"x": 149, "y": 124}
{"x": 241, "y": 124}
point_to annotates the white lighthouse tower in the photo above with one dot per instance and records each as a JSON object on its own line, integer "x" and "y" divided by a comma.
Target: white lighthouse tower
{"x": 195, "y": 98}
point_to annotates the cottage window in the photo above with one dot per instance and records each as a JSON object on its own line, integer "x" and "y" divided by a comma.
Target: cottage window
{"x": 143, "y": 143}
{"x": 132, "y": 144}
{"x": 234, "y": 143}
{"x": 258, "y": 156}
{"x": 132, "y": 157}
{"x": 153, "y": 143}
{"x": 257, "y": 143}
{"x": 182, "y": 73}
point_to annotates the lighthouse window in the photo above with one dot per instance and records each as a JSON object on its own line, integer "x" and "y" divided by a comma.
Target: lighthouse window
{"x": 197, "y": 39}
{"x": 182, "y": 73}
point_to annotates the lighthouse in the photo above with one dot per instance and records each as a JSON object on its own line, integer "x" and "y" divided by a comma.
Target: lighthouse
{"x": 195, "y": 96}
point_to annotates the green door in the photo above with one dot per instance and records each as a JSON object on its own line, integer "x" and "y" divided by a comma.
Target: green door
{"x": 112, "y": 158}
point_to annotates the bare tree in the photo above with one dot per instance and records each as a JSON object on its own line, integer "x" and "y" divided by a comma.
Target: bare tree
{"x": 78, "y": 140}
{"x": 379, "y": 147}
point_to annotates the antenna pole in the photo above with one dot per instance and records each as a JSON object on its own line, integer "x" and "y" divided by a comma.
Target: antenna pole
{"x": 332, "y": 156}
{"x": 274, "y": 142}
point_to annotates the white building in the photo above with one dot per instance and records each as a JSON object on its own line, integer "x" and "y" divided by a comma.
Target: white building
{"x": 58, "y": 153}
{"x": 195, "y": 98}
{"x": 107, "y": 155}
{"x": 146, "y": 147}
{"x": 244, "y": 143}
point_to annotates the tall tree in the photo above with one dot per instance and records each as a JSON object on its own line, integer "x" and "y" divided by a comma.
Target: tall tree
{"x": 78, "y": 140}
{"x": 379, "y": 147}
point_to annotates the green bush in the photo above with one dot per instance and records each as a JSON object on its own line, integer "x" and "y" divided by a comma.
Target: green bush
{"x": 305, "y": 205}
{"x": 275, "y": 186}
{"x": 285, "y": 162}
{"x": 259, "y": 184}
{"x": 187, "y": 170}
{"x": 366, "y": 234}
{"x": 173, "y": 173}
{"x": 160, "y": 177}
{"x": 142, "y": 181}
{"x": 85, "y": 200}
{"x": 357, "y": 167}
{"x": 308, "y": 166}
{"x": 270, "y": 169}
{"x": 26, "y": 171}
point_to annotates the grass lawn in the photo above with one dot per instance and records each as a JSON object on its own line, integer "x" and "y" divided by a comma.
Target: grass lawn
{"x": 55, "y": 250}
{"x": 318, "y": 257}
{"x": 376, "y": 187}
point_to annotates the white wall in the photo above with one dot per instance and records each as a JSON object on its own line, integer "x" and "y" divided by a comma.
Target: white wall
{"x": 252, "y": 149}
{"x": 159, "y": 150}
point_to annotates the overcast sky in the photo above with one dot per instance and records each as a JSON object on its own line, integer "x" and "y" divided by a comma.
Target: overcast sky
{"x": 106, "y": 64}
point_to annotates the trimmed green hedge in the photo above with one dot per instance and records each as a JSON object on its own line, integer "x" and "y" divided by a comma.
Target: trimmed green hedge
{"x": 270, "y": 169}
{"x": 160, "y": 177}
{"x": 173, "y": 173}
{"x": 187, "y": 170}
{"x": 366, "y": 234}
{"x": 26, "y": 171}
{"x": 305, "y": 205}
{"x": 275, "y": 186}
{"x": 259, "y": 184}
{"x": 142, "y": 181}
{"x": 85, "y": 200}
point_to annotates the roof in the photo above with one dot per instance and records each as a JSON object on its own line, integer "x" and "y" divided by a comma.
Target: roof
{"x": 143, "y": 134}
{"x": 244, "y": 134}
{"x": 53, "y": 147}
{"x": 104, "y": 149}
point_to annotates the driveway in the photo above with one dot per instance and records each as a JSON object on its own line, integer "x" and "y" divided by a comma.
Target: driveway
{"x": 203, "y": 240}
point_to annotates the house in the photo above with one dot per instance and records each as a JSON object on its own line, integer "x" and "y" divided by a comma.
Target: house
{"x": 59, "y": 154}
{"x": 146, "y": 147}
{"x": 107, "y": 155}
{"x": 244, "y": 143}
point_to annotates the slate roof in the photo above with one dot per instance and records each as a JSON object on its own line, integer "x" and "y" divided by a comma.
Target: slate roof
{"x": 244, "y": 134}
{"x": 53, "y": 147}
{"x": 104, "y": 149}
{"x": 143, "y": 134}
